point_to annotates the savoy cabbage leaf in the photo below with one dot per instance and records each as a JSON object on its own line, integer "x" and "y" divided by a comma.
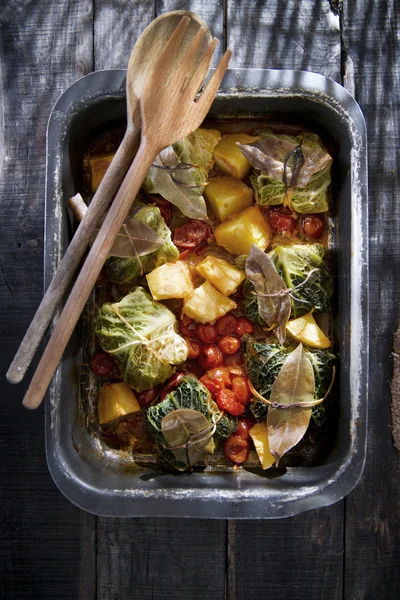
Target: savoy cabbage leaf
{"x": 141, "y": 335}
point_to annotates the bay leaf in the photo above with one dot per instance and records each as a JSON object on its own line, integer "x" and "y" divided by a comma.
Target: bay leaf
{"x": 274, "y": 308}
{"x": 188, "y": 199}
{"x": 188, "y": 434}
{"x": 295, "y": 383}
{"x": 269, "y": 154}
{"x": 135, "y": 238}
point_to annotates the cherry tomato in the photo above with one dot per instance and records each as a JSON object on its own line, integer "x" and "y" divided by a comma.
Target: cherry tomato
{"x": 172, "y": 383}
{"x": 229, "y": 345}
{"x": 192, "y": 234}
{"x": 220, "y": 376}
{"x": 147, "y": 397}
{"x": 281, "y": 220}
{"x": 235, "y": 360}
{"x": 102, "y": 278}
{"x": 194, "y": 349}
{"x": 207, "y": 333}
{"x": 236, "y": 449}
{"x": 244, "y": 426}
{"x": 227, "y": 401}
{"x": 226, "y": 325}
{"x": 211, "y": 385}
{"x": 244, "y": 326}
{"x": 102, "y": 364}
{"x": 188, "y": 327}
{"x": 211, "y": 357}
{"x": 312, "y": 226}
{"x": 164, "y": 206}
{"x": 240, "y": 388}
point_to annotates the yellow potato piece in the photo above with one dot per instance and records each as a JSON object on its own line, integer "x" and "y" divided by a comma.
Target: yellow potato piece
{"x": 259, "y": 435}
{"x": 171, "y": 280}
{"x": 98, "y": 168}
{"x": 116, "y": 400}
{"x": 225, "y": 277}
{"x": 305, "y": 330}
{"x": 206, "y": 304}
{"x": 228, "y": 156}
{"x": 241, "y": 231}
{"x": 227, "y": 196}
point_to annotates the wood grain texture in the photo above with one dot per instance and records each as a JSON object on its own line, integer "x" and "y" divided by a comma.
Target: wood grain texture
{"x": 42, "y": 51}
{"x": 372, "y": 36}
{"x": 178, "y": 559}
{"x": 296, "y": 34}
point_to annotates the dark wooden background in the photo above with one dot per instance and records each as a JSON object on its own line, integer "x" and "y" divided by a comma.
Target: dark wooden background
{"x": 51, "y": 549}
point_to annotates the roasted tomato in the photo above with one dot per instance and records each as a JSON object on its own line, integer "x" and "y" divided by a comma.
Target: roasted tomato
{"x": 207, "y": 333}
{"x": 192, "y": 234}
{"x": 172, "y": 383}
{"x": 211, "y": 357}
{"x": 102, "y": 364}
{"x": 188, "y": 327}
{"x": 313, "y": 226}
{"x": 147, "y": 397}
{"x": 194, "y": 348}
{"x": 240, "y": 388}
{"x": 236, "y": 449}
{"x": 219, "y": 376}
{"x": 281, "y": 220}
{"x": 244, "y": 426}
{"x": 244, "y": 325}
{"x": 227, "y": 401}
{"x": 227, "y": 325}
{"x": 229, "y": 345}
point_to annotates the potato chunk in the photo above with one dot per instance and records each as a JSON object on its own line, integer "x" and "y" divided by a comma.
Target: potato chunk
{"x": 171, "y": 280}
{"x": 305, "y": 330}
{"x": 241, "y": 231}
{"x": 227, "y": 196}
{"x": 225, "y": 277}
{"x": 98, "y": 168}
{"x": 206, "y": 304}
{"x": 259, "y": 435}
{"x": 116, "y": 400}
{"x": 229, "y": 158}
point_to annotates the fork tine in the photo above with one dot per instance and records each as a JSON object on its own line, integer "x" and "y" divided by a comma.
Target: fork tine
{"x": 167, "y": 56}
{"x": 208, "y": 95}
{"x": 201, "y": 71}
{"x": 186, "y": 63}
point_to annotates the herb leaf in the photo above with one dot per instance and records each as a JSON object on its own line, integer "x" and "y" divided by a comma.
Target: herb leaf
{"x": 135, "y": 239}
{"x": 269, "y": 154}
{"x": 188, "y": 434}
{"x": 183, "y": 195}
{"x": 294, "y": 383}
{"x": 273, "y": 299}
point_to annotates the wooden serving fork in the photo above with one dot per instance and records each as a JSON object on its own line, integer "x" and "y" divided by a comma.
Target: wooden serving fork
{"x": 169, "y": 112}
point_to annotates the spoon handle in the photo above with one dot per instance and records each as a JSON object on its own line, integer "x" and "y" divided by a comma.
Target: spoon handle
{"x": 89, "y": 273}
{"x": 73, "y": 255}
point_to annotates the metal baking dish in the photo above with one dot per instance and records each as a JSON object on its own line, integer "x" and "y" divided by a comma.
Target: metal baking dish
{"x": 89, "y": 477}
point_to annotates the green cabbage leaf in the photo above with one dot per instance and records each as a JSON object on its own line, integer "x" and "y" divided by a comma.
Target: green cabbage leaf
{"x": 141, "y": 335}
{"x": 182, "y": 185}
{"x": 127, "y": 270}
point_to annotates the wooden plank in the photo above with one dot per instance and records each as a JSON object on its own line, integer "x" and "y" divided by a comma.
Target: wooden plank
{"x": 161, "y": 558}
{"x": 372, "y": 36}
{"x": 299, "y": 558}
{"x": 43, "y": 49}
{"x": 296, "y": 34}
{"x": 284, "y": 558}
{"x": 117, "y": 26}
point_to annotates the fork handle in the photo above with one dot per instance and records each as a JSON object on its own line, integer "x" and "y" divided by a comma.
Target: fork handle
{"x": 89, "y": 273}
{"x": 72, "y": 257}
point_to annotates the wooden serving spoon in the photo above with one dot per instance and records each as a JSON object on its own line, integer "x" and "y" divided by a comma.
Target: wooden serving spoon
{"x": 169, "y": 112}
{"x": 144, "y": 54}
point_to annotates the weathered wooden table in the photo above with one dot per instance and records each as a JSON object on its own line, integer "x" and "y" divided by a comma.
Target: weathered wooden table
{"x": 51, "y": 549}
